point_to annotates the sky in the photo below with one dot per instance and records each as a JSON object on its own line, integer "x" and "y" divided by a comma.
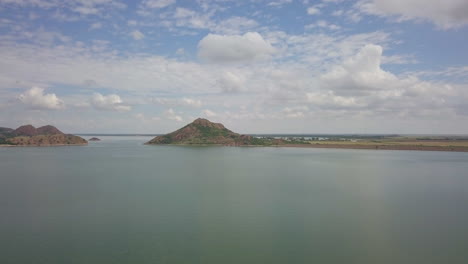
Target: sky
{"x": 257, "y": 66}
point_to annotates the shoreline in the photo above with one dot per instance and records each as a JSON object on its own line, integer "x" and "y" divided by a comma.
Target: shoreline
{"x": 330, "y": 146}
{"x": 338, "y": 146}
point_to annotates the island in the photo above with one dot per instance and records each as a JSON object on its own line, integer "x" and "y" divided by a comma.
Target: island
{"x": 94, "y": 139}
{"x": 203, "y": 132}
{"x": 28, "y": 135}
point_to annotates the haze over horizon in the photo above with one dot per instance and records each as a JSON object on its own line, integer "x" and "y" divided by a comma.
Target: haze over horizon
{"x": 278, "y": 66}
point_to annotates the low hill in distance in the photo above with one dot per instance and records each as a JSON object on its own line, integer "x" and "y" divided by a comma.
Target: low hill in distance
{"x": 28, "y": 135}
{"x": 204, "y": 132}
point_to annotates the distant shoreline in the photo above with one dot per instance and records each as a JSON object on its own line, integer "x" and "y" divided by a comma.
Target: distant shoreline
{"x": 380, "y": 147}
{"x": 336, "y": 146}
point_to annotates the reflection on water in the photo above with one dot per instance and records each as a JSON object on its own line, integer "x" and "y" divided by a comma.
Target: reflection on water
{"x": 118, "y": 201}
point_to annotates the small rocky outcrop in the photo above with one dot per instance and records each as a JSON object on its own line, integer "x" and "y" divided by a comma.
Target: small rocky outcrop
{"x": 94, "y": 139}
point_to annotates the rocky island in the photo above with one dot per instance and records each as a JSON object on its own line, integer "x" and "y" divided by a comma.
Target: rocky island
{"x": 28, "y": 135}
{"x": 204, "y": 132}
{"x": 94, "y": 139}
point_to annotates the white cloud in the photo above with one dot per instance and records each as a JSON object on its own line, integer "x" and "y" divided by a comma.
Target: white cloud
{"x": 82, "y": 7}
{"x": 190, "y": 102}
{"x": 330, "y": 100}
{"x": 295, "y": 112}
{"x": 34, "y": 3}
{"x": 360, "y": 73}
{"x": 354, "y": 83}
{"x": 323, "y": 24}
{"x": 235, "y": 48}
{"x": 36, "y": 99}
{"x": 184, "y": 12}
{"x": 279, "y": 3}
{"x": 137, "y": 35}
{"x": 208, "y": 113}
{"x": 360, "y": 85}
{"x": 234, "y": 25}
{"x": 313, "y": 10}
{"x": 157, "y": 3}
{"x": 184, "y": 20}
{"x": 445, "y": 14}
{"x": 110, "y": 102}
{"x": 172, "y": 115}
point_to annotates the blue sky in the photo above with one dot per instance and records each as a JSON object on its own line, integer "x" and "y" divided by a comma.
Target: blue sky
{"x": 258, "y": 66}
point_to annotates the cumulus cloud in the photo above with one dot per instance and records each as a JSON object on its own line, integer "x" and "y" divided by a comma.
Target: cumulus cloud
{"x": 234, "y": 48}
{"x": 360, "y": 84}
{"x": 359, "y": 74}
{"x": 111, "y": 102}
{"x": 445, "y": 14}
{"x": 36, "y": 99}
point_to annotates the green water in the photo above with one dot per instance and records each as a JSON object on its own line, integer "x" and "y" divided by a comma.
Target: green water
{"x": 118, "y": 201}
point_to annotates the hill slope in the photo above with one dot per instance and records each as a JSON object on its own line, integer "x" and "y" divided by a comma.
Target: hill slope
{"x": 203, "y": 132}
{"x": 28, "y": 135}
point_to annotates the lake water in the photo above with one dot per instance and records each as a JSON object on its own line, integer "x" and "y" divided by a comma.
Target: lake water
{"x": 118, "y": 201}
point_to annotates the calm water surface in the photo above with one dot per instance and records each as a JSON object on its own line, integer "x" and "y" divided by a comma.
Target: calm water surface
{"x": 118, "y": 201}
